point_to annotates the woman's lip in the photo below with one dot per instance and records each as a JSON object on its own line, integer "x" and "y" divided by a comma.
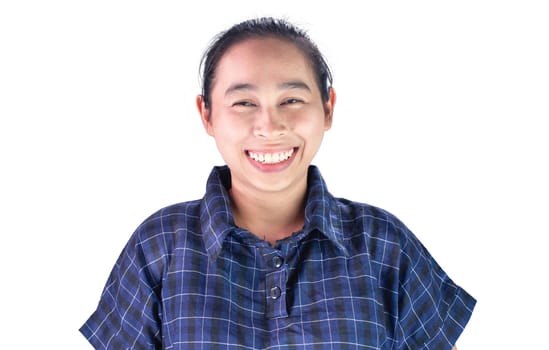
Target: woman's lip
{"x": 271, "y": 150}
{"x": 271, "y": 161}
{"x": 270, "y": 157}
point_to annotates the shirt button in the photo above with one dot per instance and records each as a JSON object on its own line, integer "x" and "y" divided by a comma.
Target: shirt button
{"x": 277, "y": 261}
{"x": 275, "y": 293}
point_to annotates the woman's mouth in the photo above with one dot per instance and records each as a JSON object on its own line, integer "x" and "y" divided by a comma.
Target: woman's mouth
{"x": 270, "y": 157}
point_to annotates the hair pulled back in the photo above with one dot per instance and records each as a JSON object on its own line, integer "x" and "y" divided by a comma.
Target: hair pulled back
{"x": 258, "y": 28}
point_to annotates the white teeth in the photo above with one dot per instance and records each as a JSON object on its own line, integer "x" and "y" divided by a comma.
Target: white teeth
{"x": 271, "y": 158}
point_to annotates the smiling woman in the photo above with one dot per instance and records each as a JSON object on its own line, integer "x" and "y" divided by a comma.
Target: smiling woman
{"x": 268, "y": 258}
{"x": 265, "y": 101}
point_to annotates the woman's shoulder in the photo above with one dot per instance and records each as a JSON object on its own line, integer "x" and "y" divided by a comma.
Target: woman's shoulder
{"x": 374, "y": 229}
{"x": 173, "y": 216}
{"x": 370, "y": 215}
{"x": 162, "y": 232}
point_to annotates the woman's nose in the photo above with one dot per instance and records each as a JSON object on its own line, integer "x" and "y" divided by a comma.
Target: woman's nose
{"x": 270, "y": 123}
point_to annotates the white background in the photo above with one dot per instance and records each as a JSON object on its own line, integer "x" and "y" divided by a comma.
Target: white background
{"x": 441, "y": 119}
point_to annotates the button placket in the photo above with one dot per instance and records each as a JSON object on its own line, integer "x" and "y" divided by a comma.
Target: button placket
{"x": 276, "y": 287}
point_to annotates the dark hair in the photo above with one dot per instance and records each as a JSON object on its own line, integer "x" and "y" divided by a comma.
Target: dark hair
{"x": 263, "y": 27}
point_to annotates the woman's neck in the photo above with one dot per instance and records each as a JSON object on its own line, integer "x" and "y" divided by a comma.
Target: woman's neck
{"x": 270, "y": 216}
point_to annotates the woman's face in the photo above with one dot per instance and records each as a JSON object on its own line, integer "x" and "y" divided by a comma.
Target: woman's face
{"x": 266, "y": 114}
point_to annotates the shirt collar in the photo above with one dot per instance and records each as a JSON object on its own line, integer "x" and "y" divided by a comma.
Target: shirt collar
{"x": 216, "y": 219}
{"x": 322, "y": 212}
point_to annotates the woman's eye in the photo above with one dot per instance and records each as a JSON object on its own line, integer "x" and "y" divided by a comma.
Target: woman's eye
{"x": 244, "y": 104}
{"x": 291, "y": 101}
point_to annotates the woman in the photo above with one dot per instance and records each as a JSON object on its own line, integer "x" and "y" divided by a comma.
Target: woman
{"x": 268, "y": 258}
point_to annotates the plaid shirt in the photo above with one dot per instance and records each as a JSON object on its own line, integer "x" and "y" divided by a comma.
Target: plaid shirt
{"x": 354, "y": 278}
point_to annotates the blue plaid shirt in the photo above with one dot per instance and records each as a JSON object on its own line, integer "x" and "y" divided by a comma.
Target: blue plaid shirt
{"x": 354, "y": 278}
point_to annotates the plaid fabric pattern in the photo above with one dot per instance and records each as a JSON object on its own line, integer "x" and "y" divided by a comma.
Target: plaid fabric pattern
{"x": 354, "y": 278}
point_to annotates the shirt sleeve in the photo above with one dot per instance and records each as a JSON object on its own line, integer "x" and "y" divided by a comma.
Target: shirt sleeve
{"x": 433, "y": 310}
{"x": 128, "y": 315}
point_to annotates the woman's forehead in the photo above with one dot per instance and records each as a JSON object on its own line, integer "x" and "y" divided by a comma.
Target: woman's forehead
{"x": 264, "y": 59}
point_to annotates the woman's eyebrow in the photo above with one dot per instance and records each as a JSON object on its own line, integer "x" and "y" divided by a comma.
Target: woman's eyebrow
{"x": 239, "y": 86}
{"x": 294, "y": 85}
{"x": 282, "y": 86}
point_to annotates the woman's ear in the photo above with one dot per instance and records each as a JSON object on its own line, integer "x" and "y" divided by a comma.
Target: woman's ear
{"x": 329, "y": 109}
{"x": 204, "y": 114}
